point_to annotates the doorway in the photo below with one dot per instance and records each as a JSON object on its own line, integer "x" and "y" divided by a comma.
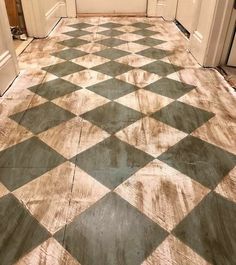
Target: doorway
{"x": 17, "y": 25}
{"x": 112, "y": 7}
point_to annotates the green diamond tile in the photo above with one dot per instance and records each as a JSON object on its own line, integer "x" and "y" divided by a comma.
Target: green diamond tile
{"x": 77, "y": 33}
{"x": 111, "y": 232}
{"x": 112, "y": 116}
{"x": 210, "y": 230}
{"x": 26, "y": 161}
{"x": 42, "y": 117}
{"x": 74, "y": 42}
{"x": 161, "y": 68}
{"x": 20, "y": 231}
{"x": 113, "y": 88}
{"x": 145, "y": 32}
{"x": 154, "y": 53}
{"x": 200, "y": 160}
{"x": 69, "y": 54}
{"x": 112, "y": 68}
{"x": 142, "y": 25}
{"x": 81, "y": 25}
{"x": 112, "y": 161}
{"x": 183, "y": 116}
{"x": 62, "y": 69}
{"x": 170, "y": 88}
{"x": 149, "y": 41}
{"x": 112, "y": 53}
{"x": 111, "y": 42}
{"x": 111, "y": 32}
{"x": 111, "y": 25}
{"x": 54, "y": 89}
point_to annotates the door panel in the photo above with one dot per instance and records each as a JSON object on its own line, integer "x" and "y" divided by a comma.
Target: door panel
{"x": 185, "y": 13}
{"x": 111, "y": 6}
{"x": 8, "y": 62}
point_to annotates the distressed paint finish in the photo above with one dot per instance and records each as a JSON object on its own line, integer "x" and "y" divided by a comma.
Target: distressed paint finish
{"x": 117, "y": 148}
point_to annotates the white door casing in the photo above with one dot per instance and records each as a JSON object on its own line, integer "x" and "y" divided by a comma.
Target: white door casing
{"x": 8, "y": 62}
{"x": 228, "y": 50}
{"x": 212, "y": 18}
{"x": 42, "y": 16}
{"x": 232, "y": 56}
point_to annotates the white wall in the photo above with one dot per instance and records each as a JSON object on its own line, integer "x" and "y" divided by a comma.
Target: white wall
{"x": 8, "y": 63}
{"x": 42, "y": 15}
{"x": 111, "y": 6}
{"x": 162, "y": 8}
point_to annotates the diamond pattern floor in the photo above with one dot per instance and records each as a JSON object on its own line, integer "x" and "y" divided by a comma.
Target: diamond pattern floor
{"x": 116, "y": 148}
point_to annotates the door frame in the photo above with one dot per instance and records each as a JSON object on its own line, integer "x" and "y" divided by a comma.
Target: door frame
{"x": 208, "y": 38}
{"x": 8, "y": 61}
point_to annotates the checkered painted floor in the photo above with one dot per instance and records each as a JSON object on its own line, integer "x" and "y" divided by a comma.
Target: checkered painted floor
{"x": 116, "y": 148}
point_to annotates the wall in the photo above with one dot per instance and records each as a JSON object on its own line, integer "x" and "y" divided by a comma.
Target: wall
{"x": 112, "y": 6}
{"x": 162, "y": 8}
{"x": 42, "y": 16}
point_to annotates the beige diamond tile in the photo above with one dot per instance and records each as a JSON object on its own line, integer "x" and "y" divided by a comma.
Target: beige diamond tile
{"x": 139, "y": 77}
{"x": 59, "y": 195}
{"x": 132, "y": 47}
{"x": 12, "y": 133}
{"x": 129, "y": 37}
{"x": 92, "y": 47}
{"x": 144, "y": 101}
{"x": 151, "y": 136}
{"x": 95, "y": 29}
{"x": 90, "y": 135}
{"x": 86, "y": 78}
{"x": 219, "y": 131}
{"x": 81, "y": 101}
{"x": 3, "y": 190}
{"x": 37, "y": 60}
{"x": 93, "y": 37}
{"x": 77, "y": 134}
{"x": 162, "y": 193}
{"x": 135, "y": 60}
{"x": 127, "y": 28}
{"x": 227, "y": 187}
{"x": 70, "y": 132}
{"x": 173, "y": 252}
{"x": 48, "y": 253}
{"x": 10, "y": 106}
{"x": 90, "y": 60}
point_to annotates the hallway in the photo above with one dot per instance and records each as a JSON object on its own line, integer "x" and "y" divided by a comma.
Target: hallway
{"x": 117, "y": 148}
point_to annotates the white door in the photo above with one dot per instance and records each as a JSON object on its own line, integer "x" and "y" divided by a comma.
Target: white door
{"x": 112, "y": 7}
{"x": 185, "y": 13}
{"x": 8, "y": 62}
{"x": 232, "y": 55}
